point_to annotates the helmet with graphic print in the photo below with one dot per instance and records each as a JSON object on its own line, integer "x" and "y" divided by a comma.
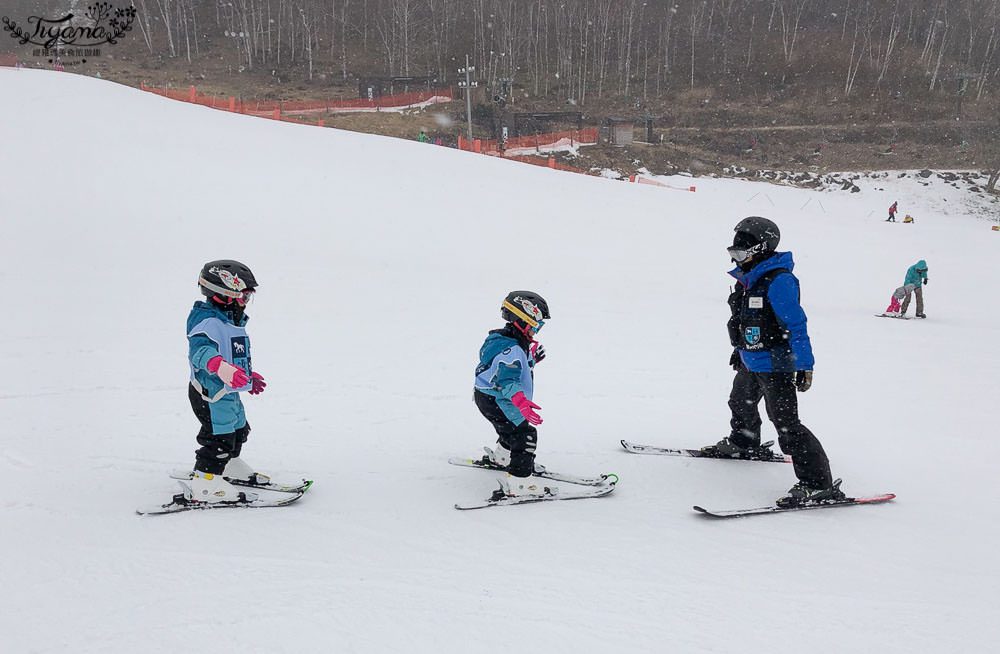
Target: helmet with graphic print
{"x": 526, "y": 310}
{"x": 226, "y": 278}
{"x": 754, "y": 235}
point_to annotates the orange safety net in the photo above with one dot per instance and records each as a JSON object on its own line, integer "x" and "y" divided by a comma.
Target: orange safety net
{"x": 518, "y": 149}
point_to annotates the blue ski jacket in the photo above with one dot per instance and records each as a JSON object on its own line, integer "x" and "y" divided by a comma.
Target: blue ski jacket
{"x": 795, "y": 353}
{"x": 212, "y": 332}
{"x": 505, "y": 370}
{"x": 913, "y": 276}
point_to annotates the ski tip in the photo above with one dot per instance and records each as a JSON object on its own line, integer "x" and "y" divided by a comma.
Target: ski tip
{"x": 608, "y": 478}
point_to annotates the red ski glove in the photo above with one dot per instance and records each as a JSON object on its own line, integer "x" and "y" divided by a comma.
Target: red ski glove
{"x": 230, "y": 375}
{"x": 537, "y": 351}
{"x": 258, "y": 384}
{"x": 526, "y": 406}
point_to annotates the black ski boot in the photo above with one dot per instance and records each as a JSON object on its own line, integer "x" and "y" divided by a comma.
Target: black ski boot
{"x": 801, "y": 494}
{"x": 727, "y": 449}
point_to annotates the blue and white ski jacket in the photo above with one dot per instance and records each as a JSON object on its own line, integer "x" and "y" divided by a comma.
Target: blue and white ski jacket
{"x": 783, "y": 296}
{"x": 212, "y": 332}
{"x": 505, "y": 370}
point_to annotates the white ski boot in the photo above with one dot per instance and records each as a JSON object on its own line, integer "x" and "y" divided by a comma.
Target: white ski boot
{"x": 499, "y": 457}
{"x": 530, "y": 486}
{"x": 238, "y": 470}
{"x": 206, "y": 487}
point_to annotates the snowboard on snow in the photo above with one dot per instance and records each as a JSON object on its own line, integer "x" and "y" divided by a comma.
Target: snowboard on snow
{"x": 499, "y": 499}
{"x": 540, "y": 471}
{"x": 698, "y": 454}
{"x": 848, "y": 501}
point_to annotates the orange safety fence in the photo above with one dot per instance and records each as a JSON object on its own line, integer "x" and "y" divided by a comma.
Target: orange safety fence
{"x": 536, "y": 142}
{"x": 639, "y": 179}
{"x": 8, "y": 59}
{"x": 587, "y": 136}
{"x": 268, "y": 108}
{"x": 519, "y": 149}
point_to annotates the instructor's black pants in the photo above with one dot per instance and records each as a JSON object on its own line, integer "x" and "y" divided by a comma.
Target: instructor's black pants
{"x": 778, "y": 390}
{"x": 216, "y": 449}
{"x": 519, "y": 439}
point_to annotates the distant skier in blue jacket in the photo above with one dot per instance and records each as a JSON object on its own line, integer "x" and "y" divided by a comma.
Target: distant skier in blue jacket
{"x": 219, "y": 356}
{"x": 773, "y": 358}
{"x": 504, "y": 387}
{"x": 917, "y": 276}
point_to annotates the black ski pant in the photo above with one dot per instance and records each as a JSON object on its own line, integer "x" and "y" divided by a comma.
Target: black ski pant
{"x": 778, "y": 391}
{"x": 519, "y": 439}
{"x": 216, "y": 449}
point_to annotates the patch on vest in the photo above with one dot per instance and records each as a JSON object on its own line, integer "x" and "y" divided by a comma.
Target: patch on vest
{"x": 240, "y": 346}
{"x": 756, "y": 303}
{"x": 752, "y": 334}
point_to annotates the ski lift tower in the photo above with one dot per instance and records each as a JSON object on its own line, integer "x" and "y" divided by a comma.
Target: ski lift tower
{"x": 468, "y": 84}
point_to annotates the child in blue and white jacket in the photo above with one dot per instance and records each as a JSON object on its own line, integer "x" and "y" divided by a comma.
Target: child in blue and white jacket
{"x": 219, "y": 357}
{"x": 504, "y": 387}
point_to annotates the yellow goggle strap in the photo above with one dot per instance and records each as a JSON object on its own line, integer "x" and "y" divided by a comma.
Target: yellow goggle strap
{"x": 520, "y": 314}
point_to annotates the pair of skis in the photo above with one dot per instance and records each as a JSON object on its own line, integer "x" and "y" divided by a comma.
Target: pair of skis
{"x": 739, "y": 513}
{"x": 598, "y": 486}
{"x": 265, "y": 494}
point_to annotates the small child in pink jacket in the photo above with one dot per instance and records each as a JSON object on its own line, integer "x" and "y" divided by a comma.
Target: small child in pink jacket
{"x": 897, "y": 297}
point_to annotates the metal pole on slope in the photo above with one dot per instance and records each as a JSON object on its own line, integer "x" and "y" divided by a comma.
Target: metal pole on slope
{"x": 468, "y": 85}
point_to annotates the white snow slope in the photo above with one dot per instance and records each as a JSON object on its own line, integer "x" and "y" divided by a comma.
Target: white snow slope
{"x": 382, "y": 264}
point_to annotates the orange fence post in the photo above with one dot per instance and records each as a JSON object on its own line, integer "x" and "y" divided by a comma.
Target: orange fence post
{"x": 460, "y": 142}
{"x": 142, "y": 84}
{"x": 192, "y": 91}
{"x": 320, "y": 122}
{"x": 277, "y": 114}
{"x": 477, "y": 146}
{"x": 232, "y": 103}
{"x": 552, "y": 162}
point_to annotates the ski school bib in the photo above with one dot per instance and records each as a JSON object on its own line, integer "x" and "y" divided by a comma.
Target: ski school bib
{"x": 753, "y": 326}
{"x": 233, "y": 344}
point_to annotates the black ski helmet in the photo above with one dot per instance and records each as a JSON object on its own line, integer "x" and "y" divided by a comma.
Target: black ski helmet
{"x": 757, "y": 231}
{"x": 525, "y": 309}
{"x": 227, "y": 278}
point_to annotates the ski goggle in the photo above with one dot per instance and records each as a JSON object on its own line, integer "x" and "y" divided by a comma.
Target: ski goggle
{"x": 740, "y": 254}
{"x": 242, "y": 299}
{"x": 538, "y": 328}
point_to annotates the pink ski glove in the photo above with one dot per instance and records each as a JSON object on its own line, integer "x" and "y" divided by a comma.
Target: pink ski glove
{"x": 258, "y": 384}
{"x": 526, "y": 406}
{"x": 537, "y": 351}
{"x": 230, "y": 375}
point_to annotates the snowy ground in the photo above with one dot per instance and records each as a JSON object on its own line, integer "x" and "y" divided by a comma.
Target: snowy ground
{"x": 382, "y": 264}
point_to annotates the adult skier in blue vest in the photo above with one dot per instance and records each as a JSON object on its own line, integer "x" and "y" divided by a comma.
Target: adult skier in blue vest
{"x": 219, "y": 356}
{"x": 773, "y": 358}
{"x": 504, "y": 387}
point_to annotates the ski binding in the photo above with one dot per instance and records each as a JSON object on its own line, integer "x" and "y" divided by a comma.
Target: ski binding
{"x": 499, "y": 499}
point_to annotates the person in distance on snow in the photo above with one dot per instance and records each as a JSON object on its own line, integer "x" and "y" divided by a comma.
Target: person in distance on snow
{"x": 892, "y": 213}
{"x": 773, "y": 358}
{"x": 219, "y": 356}
{"x": 504, "y": 388}
{"x": 917, "y": 276}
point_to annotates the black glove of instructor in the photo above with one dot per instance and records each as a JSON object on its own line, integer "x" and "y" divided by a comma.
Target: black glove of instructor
{"x": 803, "y": 380}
